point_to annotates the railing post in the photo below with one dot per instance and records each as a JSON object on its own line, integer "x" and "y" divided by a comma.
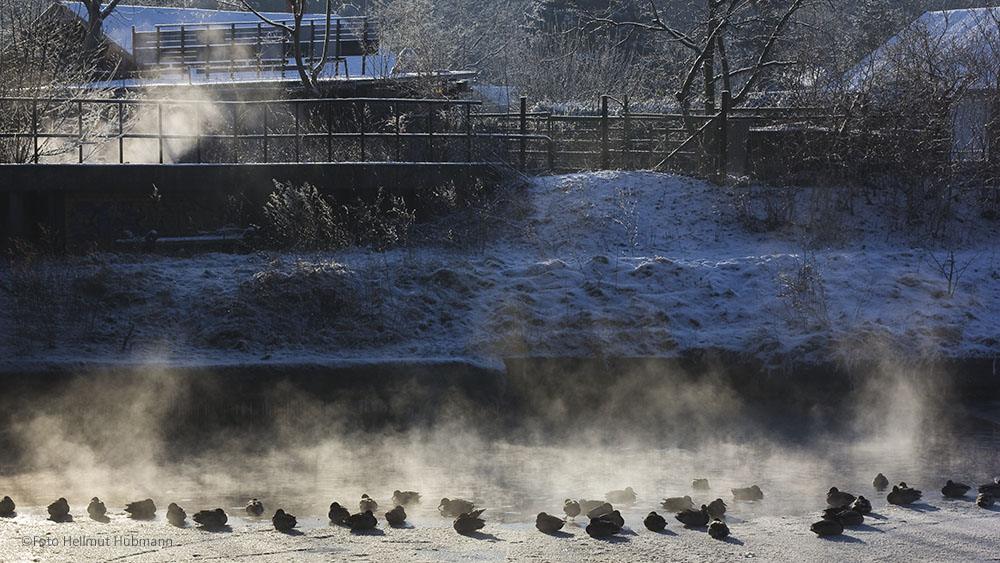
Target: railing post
{"x": 197, "y": 124}
{"x": 159, "y": 128}
{"x": 232, "y": 49}
{"x": 627, "y": 136}
{"x": 121, "y": 133}
{"x": 727, "y": 102}
{"x": 523, "y": 129}
{"x": 430, "y": 131}
{"x": 552, "y": 142}
{"x": 605, "y": 155}
{"x": 208, "y": 52}
{"x": 399, "y": 138}
{"x": 364, "y": 46}
{"x": 329, "y": 131}
{"x": 298, "y": 157}
{"x": 34, "y": 126}
{"x": 266, "y": 106}
{"x": 236, "y": 132}
{"x": 260, "y": 52}
{"x": 361, "y": 127}
{"x": 79, "y": 127}
{"x": 468, "y": 132}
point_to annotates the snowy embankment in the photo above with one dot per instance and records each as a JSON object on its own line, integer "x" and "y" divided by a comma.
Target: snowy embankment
{"x": 601, "y": 264}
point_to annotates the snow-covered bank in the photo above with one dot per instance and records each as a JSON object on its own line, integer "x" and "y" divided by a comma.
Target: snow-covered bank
{"x": 604, "y": 264}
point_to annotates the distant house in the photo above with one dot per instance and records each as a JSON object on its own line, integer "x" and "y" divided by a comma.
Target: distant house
{"x": 956, "y": 52}
{"x": 156, "y": 45}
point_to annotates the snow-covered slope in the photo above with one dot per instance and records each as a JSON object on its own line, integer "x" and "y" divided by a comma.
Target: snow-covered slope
{"x": 603, "y": 264}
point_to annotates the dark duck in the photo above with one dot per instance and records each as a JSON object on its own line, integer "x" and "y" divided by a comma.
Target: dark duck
{"x": 862, "y": 505}
{"x": 654, "y": 522}
{"x": 752, "y": 492}
{"x": 827, "y": 528}
{"x": 367, "y": 504}
{"x": 717, "y": 509}
{"x": 468, "y": 522}
{"x": 7, "y": 506}
{"x": 362, "y": 521}
{"x": 604, "y": 526}
{"x": 677, "y": 504}
{"x": 571, "y": 508}
{"x": 452, "y": 508}
{"x": 718, "y": 529}
{"x": 141, "y": 509}
{"x": 211, "y": 518}
{"x": 405, "y": 498}
{"x": 396, "y": 517}
{"x": 338, "y": 514}
{"x": 283, "y": 521}
{"x": 835, "y": 497}
{"x": 548, "y": 524}
{"x": 176, "y": 515}
{"x": 97, "y": 510}
{"x": 952, "y": 489}
{"x": 59, "y": 510}
{"x": 880, "y": 482}
{"x": 901, "y": 494}
{"x": 693, "y": 517}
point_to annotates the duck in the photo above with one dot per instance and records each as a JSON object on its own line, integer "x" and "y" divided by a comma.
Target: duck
{"x": 952, "y": 489}
{"x": 991, "y": 488}
{"x": 985, "y": 500}
{"x": 718, "y": 529}
{"x": 717, "y": 509}
{"x": 59, "y": 510}
{"x": 846, "y": 516}
{"x": 338, "y": 514}
{"x": 626, "y": 496}
{"x": 835, "y": 497}
{"x": 362, "y": 521}
{"x": 604, "y": 526}
{"x": 176, "y": 515}
{"x": 880, "y": 482}
{"x": 588, "y": 505}
{"x": 693, "y": 517}
{"x": 616, "y": 517}
{"x": 752, "y": 492}
{"x": 453, "y": 508}
{"x": 141, "y": 509}
{"x": 654, "y": 522}
{"x": 367, "y": 504}
{"x": 96, "y": 509}
{"x": 396, "y": 517}
{"x": 862, "y": 505}
{"x": 405, "y": 498}
{"x": 255, "y": 507}
{"x": 600, "y": 510}
{"x": 700, "y": 484}
{"x": 211, "y": 518}
{"x": 571, "y": 508}
{"x": 283, "y": 521}
{"x": 468, "y": 522}
{"x": 827, "y": 528}
{"x": 548, "y": 524}
{"x": 7, "y": 506}
{"x": 901, "y": 494}
{"x": 677, "y": 504}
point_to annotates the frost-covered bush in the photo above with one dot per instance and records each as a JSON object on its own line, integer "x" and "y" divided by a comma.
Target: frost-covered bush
{"x": 298, "y": 217}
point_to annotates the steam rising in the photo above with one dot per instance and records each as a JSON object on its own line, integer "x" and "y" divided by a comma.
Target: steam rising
{"x": 558, "y": 432}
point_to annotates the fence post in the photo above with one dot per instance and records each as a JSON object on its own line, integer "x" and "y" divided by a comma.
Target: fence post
{"x": 399, "y": 138}
{"x": 552, "y": 142}
{"x": 605, "y": 156}
{"x": 298, "y": 151}
{"x": 468, "y": 132}
{"x": 627, "y": 134}
{"x": 79, "y": 127}
{"x": 198, "y": 131}
{"x": 266, "y": 110}
{"x": 523, "y": 131}
{"x": 121, "y": 133}
{"x": 34, "y": 126}
{"x": 236, "y": 133}
{"x": 361, "y": 129}
{"x": 159, "y": 128}
{"x": 430, "y": 131}
{"x": 329, "y": 131}
{"x": 727, "y": 102}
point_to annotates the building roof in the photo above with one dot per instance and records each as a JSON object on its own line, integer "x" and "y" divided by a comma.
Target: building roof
{"x": 953, "y": 37}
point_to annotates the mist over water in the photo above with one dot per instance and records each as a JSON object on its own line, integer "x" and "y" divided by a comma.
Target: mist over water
{"x": 208, "y": 441}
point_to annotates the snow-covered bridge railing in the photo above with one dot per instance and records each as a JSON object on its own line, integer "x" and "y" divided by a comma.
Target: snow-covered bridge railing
{"x": 269, "y": 131}
{"x": 251, "y": 46}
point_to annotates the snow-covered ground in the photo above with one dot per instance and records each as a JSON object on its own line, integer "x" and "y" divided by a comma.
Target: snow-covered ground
{"x": 602, "y": 264}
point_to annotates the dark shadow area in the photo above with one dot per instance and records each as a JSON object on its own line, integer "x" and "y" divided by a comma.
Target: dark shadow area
{"x": 921, "y": 507}
{"x": 732, "y": 540}
{"x": 372, "y": 532}
{"x": 666, "y": 533}
{"x": 217, "y": 529}
{"x": 613, "y": 539}
{"x": 875, "y": 516}
{"x": 483, "y": 536}
{"x": 292, "y": 532}
{"x": 101, "y": 519}
{"x": 558, "y": 534}
{"x": 841, "y": 539}
{"x": 67, "y": 518}
{"x": 867, "y": 528}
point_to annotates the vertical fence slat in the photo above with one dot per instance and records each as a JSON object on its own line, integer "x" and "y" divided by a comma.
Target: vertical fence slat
{"x": 236, "y": 133}
{"x": 298, "y": 158}
{"x": 266, "y": 111}
{"x": 468, "y": 132}
{"x": 79, "y": 127}
{"x": 329, "y": 131}
{"x": 121, "y": 133}
{"x": 605, "y": 155}
{"x": 430, "y": 132}
{"x": 159, "y": 128}
{"x": 361, "y": 129}
{"x": 34, "y": 126}
{"x": 198, "y": 131}
{"x": 399, "y": 139}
